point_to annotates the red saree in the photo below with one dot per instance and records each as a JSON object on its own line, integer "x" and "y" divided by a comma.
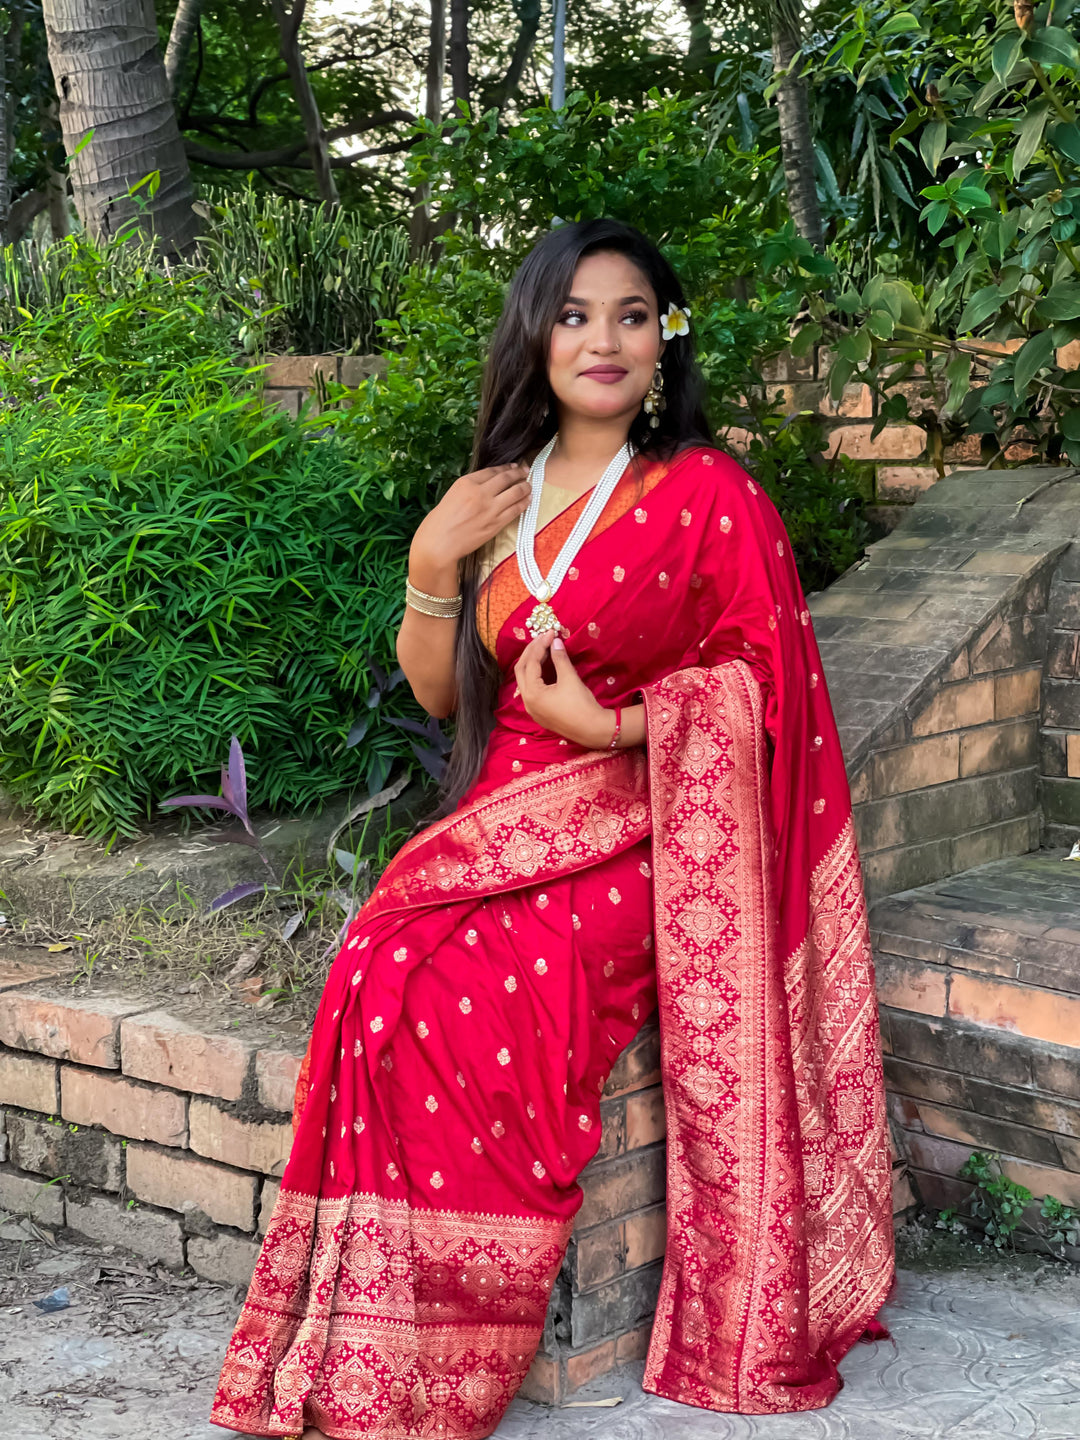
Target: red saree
{"x": 451, "y": 1095}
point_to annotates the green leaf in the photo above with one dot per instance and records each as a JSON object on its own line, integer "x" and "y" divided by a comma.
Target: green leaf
{"x": 958, "y": 375}
{"x": 881, "y": 325}
{"x": 1069, "y": 423}
{"x": 1029, "y": 134}
{"x": 979, "y": 307}
{"x": 1061, "y": 301}
{"x": 1005, "y": 54}
{"x": 932, "y": 144}
{"x": 935, "y": 216}
{"x": 806, "y": 339}
{"x": 1067, "y": 139}
{"x": 899, "y": 24}
{"x": 1053, "y": 46}
{"x": 856, "y": 347}
{"x": 1034, "y": 356}
{"x": 841, "y": 372}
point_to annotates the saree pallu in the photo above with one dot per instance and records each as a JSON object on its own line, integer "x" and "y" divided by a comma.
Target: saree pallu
{"x": 450, "y": 1096}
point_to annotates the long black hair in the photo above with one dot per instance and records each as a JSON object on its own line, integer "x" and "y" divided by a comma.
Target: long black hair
{"x": 518, "y": 415}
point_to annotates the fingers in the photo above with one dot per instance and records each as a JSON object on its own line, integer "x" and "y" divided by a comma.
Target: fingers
{"x": 530, "y": 663}
{"x": 560, "y": 656}
{"x": 499, "y": 478}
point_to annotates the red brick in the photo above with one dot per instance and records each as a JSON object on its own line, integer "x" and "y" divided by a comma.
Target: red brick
{"x": 134, "y": 1111}
{"x": 166, "y": 1051}
{"x": 112, "y": 1222}
{"x": 598, "y": 1255}
{"x": 85, "y": 1031}
{"x": 956, "y": 706}
{"x": 30, "y": 1195}
{"x": 228, "y": 1259}
{"x": 646, "y": 1235}
{"x": 589, "y": 1364}
{"x": 1040, "y": 1014}
{"x": 249, "y": 1145}
{"x": 180, "y": 1182}
{"x": 903, "y": 1197}
{"x": 645, "y": 1119}
{"x": 541, "y": 1384}
{"x": 908, "y": 985}
{"x": 28, "y": 1082}
{"x": 630, "y": 1182}
{"x": 276, "y": 1072}
{"x": 633, "y": 1345}
{"x": 1018, "y": 693}
{"x": 285, "y": 370}
{"x": 895, "y": 442}
{"x": 82, "y": 1156}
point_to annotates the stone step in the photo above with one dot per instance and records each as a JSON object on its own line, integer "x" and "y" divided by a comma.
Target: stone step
{"x": 979, "y": 981}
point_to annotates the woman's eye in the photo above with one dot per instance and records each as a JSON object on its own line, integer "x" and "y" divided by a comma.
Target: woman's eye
{"x": 636, "y": 317}
{"x": 572, "y": 317}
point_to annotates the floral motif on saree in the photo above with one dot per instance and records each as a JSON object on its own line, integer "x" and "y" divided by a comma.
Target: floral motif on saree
{"x": 451, "y": 1093}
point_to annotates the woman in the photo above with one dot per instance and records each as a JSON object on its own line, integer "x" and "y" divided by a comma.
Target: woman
{"x": 659, "y": 810}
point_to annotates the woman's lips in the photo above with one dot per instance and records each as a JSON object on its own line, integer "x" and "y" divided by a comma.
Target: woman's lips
{"x": 606, "y": 374}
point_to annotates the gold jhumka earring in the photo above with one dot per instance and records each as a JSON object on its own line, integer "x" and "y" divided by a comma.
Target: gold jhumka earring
{"x": 654, "y": 402}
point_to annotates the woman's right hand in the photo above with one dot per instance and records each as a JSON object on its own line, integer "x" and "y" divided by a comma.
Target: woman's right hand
{"x": 472, "y": 512}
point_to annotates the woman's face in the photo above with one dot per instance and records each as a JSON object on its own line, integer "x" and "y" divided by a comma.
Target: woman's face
{"x": 606, "y": 341}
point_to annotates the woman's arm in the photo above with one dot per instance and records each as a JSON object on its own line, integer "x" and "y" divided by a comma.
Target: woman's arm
{"x": 475, "y": 508}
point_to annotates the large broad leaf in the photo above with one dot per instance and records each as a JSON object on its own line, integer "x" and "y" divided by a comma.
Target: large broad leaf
{"x": 841, "y": 372}
{"x": 958, "y": 375}
{"x": 1029, "y": 134}
{"x": 1061, "y": 301}
{"x": 932, "y": 144}
{"x": 214, "y": 801}
{"x": 980, "y": 307}
{"x": 807, "y": 337}
{"x": 1034, "y": 356}
{"x": 856, "y": 347}
{"x": 1069, "y": 424}
{"x": 1053, "y": 46}
{"x": 1067, "y": 140}
{"x": 1005, "y": 54}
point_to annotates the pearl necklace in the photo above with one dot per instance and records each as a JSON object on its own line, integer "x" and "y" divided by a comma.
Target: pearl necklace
{"x": 543, "y": 618}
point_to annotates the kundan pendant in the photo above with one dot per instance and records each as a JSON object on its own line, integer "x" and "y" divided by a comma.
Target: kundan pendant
{"x": 542, "y": 619}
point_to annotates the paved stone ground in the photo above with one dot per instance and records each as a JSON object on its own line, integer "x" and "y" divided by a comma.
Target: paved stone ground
{"x": 986, "y": 1352}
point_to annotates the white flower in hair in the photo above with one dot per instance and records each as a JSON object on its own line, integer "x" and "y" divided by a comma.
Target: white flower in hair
{"x": 675, "y": 322}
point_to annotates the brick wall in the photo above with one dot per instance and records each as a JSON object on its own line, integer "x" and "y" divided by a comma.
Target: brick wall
{"x": 979, "y": 982}
{"x": 170, "y": 1141}
{"x": 166, "y": 1140}
{"x": 1060, "y": 735}
{"x": 289, "y": 380}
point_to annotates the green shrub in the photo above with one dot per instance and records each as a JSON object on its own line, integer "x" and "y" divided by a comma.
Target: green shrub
{"x": 178, "y": 565}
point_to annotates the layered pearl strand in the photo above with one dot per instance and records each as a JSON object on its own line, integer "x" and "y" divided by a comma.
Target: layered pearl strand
{"x": 542, "y": 588}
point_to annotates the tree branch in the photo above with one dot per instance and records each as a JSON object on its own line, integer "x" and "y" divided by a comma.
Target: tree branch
{"x": 183, "y": 28}
{"x": 289, "y": 157}
{"x": 498, "y": 95}
{"x": 288, "y": 23}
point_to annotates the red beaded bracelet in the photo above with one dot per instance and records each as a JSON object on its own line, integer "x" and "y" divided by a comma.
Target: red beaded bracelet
{"x": 618, "y": 728}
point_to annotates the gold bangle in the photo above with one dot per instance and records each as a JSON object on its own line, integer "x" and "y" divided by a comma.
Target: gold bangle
{"x": 436, "y": 614}
{"x": 411, "y": 590}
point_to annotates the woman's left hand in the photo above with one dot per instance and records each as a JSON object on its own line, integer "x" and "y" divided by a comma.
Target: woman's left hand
{"x": 566, "y": 706}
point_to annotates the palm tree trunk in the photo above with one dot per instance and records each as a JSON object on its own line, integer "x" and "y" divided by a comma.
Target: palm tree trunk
{"x": 288, "y": 23}
{"x": 459, "y": 50}
{"x": 185, "y": 22}
{"x": 56, "y": 181}
{"x": 793, "y": 114}
{"x": 115, "y": 103}
{"x": 420, "y": 227}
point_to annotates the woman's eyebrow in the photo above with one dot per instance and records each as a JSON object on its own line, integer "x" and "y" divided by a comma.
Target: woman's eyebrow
{"x": 626, "y": 300}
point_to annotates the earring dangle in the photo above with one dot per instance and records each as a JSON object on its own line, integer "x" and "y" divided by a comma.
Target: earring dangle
{"x": 655, "y": 404}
